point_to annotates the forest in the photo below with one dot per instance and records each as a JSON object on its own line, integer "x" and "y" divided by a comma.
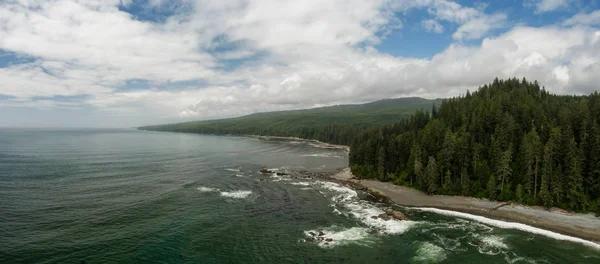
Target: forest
{"x": 511, "y": 140}
{"x": 334, "y": 124}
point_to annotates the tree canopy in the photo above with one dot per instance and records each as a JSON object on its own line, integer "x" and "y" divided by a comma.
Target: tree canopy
{"x": 509, "y": 140}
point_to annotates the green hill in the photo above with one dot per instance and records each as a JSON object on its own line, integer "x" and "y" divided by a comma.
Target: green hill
{"x": 334, "y": 124}
{"x": 510, "y": 140}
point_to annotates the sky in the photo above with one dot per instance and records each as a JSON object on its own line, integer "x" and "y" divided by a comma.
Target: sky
{"x": 126, "y": 63}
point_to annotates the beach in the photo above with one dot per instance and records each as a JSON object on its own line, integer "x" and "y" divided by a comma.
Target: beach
{"x": 584, "y": 226}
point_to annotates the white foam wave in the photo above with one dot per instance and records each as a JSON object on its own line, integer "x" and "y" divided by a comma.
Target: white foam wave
{"x": 300, "y": 183}
{"x": 363, "y": 211}
{"x": 334, "y": 236}
{"x": 232, "y": 169}
{"x": 207, "y": 189}
{"x": 236, "y": 194}
{"x": 491, "y": 245}
{"x": 429, "y": 253}
{"x": 323, "y": 155}
{"x": 239, "y": 175}
{"x": 511, "y": 225}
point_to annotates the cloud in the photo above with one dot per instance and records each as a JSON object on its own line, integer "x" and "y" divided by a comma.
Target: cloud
{"x": 478, "y": 27}
{"x": 431, "y": 25}
{"x": 592, "y": 19}
{"x": 229, "y": 58}
{"x": 542, "y": 6}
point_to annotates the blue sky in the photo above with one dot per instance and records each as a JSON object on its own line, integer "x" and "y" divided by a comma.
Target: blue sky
{"x": 123, "y": 63}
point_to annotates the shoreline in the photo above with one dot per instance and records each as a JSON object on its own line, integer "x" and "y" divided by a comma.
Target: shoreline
{"x": 579, "y": 226}
{"x": 325, "y": 144}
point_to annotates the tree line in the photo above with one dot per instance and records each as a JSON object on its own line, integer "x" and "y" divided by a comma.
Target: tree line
{"x": 510, "y": 140}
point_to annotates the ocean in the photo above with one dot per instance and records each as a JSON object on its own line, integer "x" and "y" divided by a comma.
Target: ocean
{"x": 129, "y": 196}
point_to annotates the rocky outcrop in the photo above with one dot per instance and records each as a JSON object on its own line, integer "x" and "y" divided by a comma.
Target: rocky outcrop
{"x": 384, "y": 216}
{"x": 399, "y": 216}
{"x": 265, "y": 171}
{"x": 391, "y": 215}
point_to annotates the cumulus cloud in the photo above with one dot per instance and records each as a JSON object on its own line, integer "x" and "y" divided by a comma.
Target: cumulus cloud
{"x": 542, "y": 6}
{"x": 478, "y": 27}
{"x": 229, "y": 58}
{"x": 432, "y": 25}
{"x": 592, "y": 18}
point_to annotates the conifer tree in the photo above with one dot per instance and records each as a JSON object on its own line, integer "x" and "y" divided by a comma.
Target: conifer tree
{"x": 431, "y": 175}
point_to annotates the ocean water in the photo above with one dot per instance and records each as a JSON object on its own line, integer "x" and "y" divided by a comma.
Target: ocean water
{"x": 128, "y": 196}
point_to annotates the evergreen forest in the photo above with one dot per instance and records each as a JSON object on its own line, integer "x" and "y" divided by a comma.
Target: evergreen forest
{"x": 510, "y": 140}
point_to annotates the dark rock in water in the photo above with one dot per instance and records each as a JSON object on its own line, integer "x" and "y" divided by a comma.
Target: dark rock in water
{"x": 265, "y": 171}
{"x": 398, "y": 215}
{"x": 312, "y": 233}
{"x": 321, "y": 233}
{"x": 478, "y": 242}
{"x": 374, "y": 217}
{"x": 281, "y": 174}
{"x": 384, "y": 216}
{"x": 310, "y": 239}
{"x": 327, "y": 244}
{"x": 329, "y": 239}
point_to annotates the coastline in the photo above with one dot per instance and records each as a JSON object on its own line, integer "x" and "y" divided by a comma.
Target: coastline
{"x": 578, "y": 226}
{"x": 581, "y": 226}
{"x": 324, "y": 144}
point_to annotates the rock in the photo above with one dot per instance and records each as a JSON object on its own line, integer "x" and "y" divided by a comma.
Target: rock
{"x": 384, "y": 216}
{"x": 281, "y": 174}
{"x": 329, "y": 239}
{"x": 321, "y": 233}
{"x": 374, "y": 217}
{"x": 309, "y": 239}
{"x": 312, "y": 233}
{"x": 327, "y": 244}
{"x": 399, "y": 215}
{"x": 265, "y": 171}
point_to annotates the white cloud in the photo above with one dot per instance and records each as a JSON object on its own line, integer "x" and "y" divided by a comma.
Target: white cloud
{"x": 592, "y": 18}
{"x": 303, "y": 54}
{"x": 478, "y": 27}
{"x": 432, "y": 25}
{"x": 542, "y": 6}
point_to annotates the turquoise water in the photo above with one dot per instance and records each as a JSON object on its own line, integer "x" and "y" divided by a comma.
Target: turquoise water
{"x": 127, "y": 196}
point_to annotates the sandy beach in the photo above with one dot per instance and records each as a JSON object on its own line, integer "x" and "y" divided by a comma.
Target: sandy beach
{"x": 585, "y": 226}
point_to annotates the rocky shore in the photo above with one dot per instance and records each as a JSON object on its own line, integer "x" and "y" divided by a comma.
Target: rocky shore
{"x": 584, "y": 226}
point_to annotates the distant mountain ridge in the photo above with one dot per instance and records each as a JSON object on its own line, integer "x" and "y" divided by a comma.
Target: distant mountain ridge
{"x": 322, "y": 123}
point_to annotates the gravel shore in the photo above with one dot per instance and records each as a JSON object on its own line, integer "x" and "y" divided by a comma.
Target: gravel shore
{"x": 585, "y": 226}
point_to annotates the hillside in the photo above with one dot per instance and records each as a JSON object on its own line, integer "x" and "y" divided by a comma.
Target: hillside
{"x": 333, "y": 124}
{"x": 510, "y": 141}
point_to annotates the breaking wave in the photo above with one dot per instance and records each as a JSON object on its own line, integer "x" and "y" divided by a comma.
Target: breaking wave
{"x": 511, "y": 225}
{"x": 241, "y": 194}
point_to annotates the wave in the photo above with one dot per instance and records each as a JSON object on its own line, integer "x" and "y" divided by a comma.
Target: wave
{"x": 323, "y": 155}
{"x": 334, "y": 236}
{"x": 232, "y": 169}
{"x": 510, "y": 225}
{"x": 429, "y": 253}
{"x": 300, "y": 183}
{"x": 241, "y": 194}
{"x": 347, "y": 203}
{"x": 207, "y": 189}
